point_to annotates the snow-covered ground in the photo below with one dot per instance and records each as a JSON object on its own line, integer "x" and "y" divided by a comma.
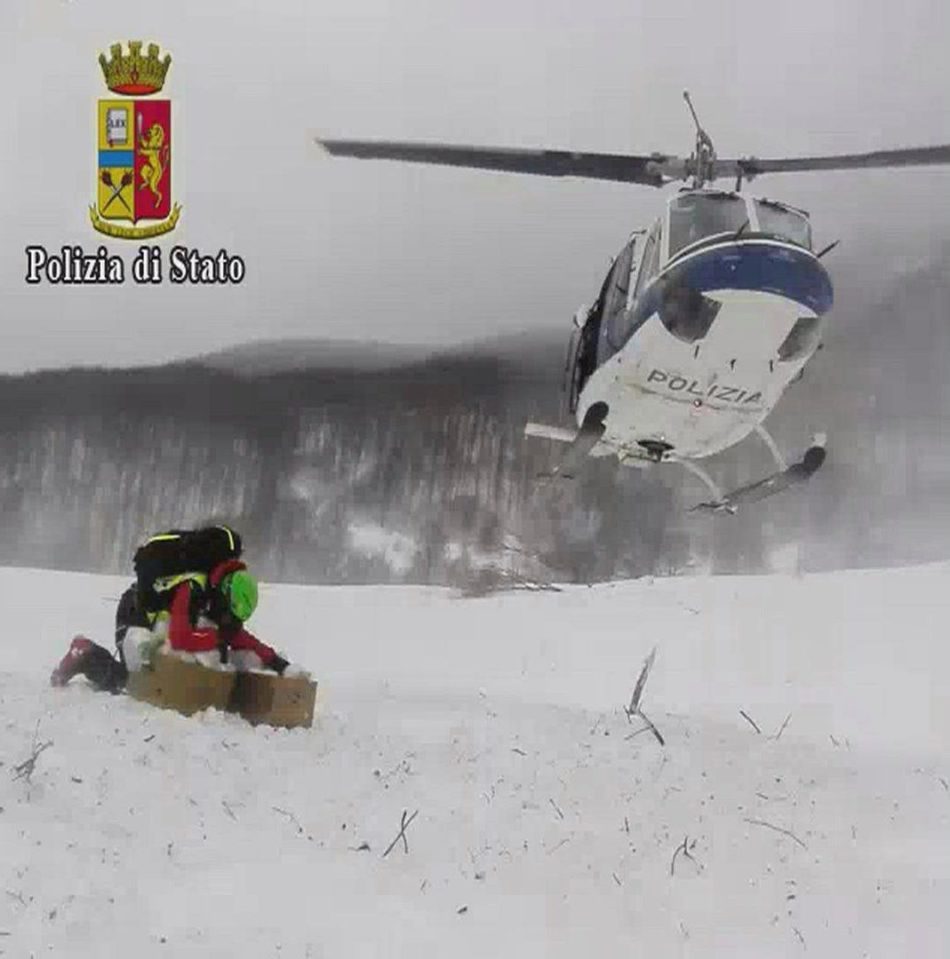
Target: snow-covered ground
{"x": 547, "y": 824}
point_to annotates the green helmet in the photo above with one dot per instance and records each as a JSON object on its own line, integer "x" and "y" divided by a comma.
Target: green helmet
{"x": 240, "y": 591}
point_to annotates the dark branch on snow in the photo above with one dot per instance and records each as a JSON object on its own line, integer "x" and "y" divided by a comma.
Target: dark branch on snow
{"x": 634, "y": 708}
{"x": 778, "y": 735}
{"x": 25, "y": 769}
{"x": 750, "y": 721}
{"x": 403, "y": 825}
{"x": 785, "y": 832}
{"x": 684, "y": 847}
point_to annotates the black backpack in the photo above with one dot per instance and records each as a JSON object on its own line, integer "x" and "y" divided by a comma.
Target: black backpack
{"x": 179, "y": 551}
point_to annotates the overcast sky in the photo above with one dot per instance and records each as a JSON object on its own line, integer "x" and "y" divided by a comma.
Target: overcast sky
{"x": 346, "y": 249}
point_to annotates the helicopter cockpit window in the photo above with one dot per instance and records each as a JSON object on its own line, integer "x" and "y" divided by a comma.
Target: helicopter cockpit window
{"x": 695, "y": 216}
{"x": 615, "y": 302}
{"x": 650, "y": 261}
{"x": 622, "y": 322}
{"x": 780, "y": 221}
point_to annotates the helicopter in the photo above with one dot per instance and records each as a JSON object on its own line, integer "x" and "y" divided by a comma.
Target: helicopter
{"x": 704, "y": 318}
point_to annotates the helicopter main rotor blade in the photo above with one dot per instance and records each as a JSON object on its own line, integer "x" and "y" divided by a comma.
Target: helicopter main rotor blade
{"x": 915, "y": 156}
{"x": 652, "y": 170}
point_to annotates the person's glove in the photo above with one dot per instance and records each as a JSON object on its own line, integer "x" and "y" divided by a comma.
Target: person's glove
{"x": 287, "y": 670}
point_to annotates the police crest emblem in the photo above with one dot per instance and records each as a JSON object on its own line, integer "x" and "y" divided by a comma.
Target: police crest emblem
{"x": 134, "y": 141}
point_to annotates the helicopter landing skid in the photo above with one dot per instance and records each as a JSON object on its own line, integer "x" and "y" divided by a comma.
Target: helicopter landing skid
{"x": 777, "y": 482}
{"x": 581, "y": 443}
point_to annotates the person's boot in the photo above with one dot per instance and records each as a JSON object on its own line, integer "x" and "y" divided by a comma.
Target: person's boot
{"x": 94, "y": 662}
{"x": 72, "y": 662}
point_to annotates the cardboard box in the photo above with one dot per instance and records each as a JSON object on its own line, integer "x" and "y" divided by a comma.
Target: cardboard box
{"x": 188, "y": 687}
{"x": 173, "y": 683}
{"x": 274, "y": 700}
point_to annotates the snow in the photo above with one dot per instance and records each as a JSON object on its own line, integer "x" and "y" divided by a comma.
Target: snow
{"x": 397, "y": 550}
{"x": 547, "y": 824}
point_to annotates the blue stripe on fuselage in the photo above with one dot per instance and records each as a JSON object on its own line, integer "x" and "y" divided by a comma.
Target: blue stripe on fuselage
{"x": 745, "y": 265}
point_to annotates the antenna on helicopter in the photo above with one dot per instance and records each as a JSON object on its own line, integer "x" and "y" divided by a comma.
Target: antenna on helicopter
{"x": 702, "y": 163}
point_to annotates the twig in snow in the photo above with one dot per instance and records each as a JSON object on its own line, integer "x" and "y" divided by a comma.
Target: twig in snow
{"x": 680, "y": 848}
{"x": 228, "y": 810}
{"x": 652, "y": 728}
{"x": 778, "y": 735}
{"x": 750, "y": 721}
{"x": 616, "y": 879}
{"x": 636, "y": 733}
{"x": 25, "y": 769}
{"x": 520, "y": 752}
{"x": 634, "y": 708}
{"x": 684, "y": 847}
{"x": 944, "y": 783}
{"x": 403, "y": 825}
{"x": 801, "y": 938}
{"x": 290, "y": 816}
{"x": 557, "y": 808}
{"x": 566, "y": 839}
{"x": 785, "y": 832}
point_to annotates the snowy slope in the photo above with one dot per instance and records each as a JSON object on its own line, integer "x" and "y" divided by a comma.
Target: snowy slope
{"x": 547, "y": 825}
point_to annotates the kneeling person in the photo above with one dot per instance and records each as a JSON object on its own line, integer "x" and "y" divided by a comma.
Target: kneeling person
{"x": 199, "y": 620}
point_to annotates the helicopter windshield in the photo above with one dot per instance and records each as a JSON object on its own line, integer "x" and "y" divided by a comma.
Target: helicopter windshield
{"x": 781, "y": 221}
{"x": 695, "y": 216}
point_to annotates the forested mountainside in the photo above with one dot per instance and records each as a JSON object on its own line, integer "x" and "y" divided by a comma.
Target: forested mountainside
{"x": 350, "y": 465}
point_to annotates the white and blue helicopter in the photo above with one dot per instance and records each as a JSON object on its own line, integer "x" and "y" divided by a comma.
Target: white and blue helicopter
{"x": 703, "y": 320}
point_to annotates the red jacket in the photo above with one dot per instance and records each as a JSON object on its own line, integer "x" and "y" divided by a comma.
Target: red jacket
{"x": 184, "y": 636}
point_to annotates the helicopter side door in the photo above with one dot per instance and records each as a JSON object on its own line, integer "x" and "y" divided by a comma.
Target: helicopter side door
{"x": 620, "y": 321}
{"x": 611, "y": 302}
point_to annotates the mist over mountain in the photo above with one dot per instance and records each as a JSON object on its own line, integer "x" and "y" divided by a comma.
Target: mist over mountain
{"x": 262, "y": 357}
{"x": 366, "y": 463}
